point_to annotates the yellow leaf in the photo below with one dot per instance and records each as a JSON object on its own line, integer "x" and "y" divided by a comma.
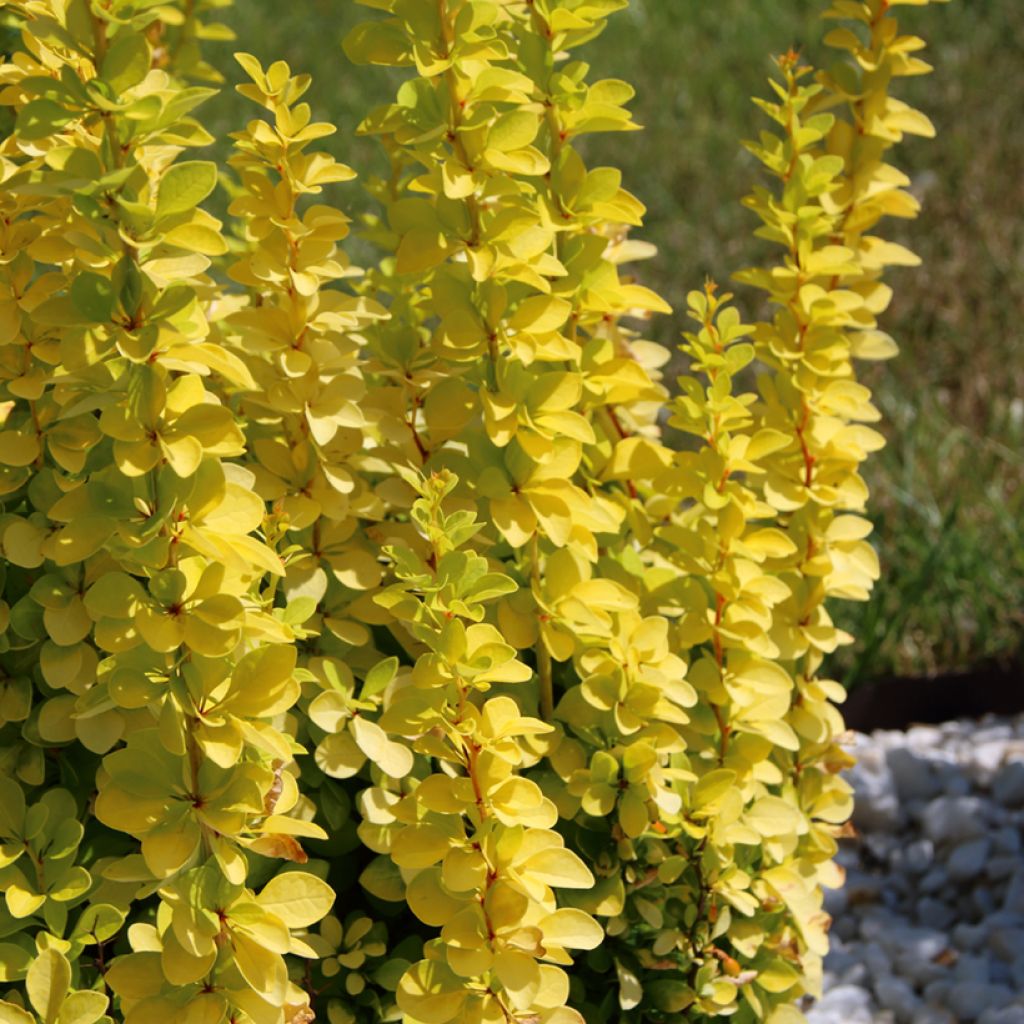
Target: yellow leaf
{"x": 264, "y": 972}
{"x": 769, "y": 543}
{"x": 161, "y": 631}
{"x": 22, "y": 903}
{"x": 804, "y": 901}
{"x": 181, "y": 967}
{"x": 282, "y": 825}
{"x": 519, "y": 975}
{"x": 11, "y": 1014}
{"x": 571, "y": 928}
{"x": 559, "y": 867}
{"x": 519, "y": 801}
{"x": 444, "y": 794}
{"x": 338, "y": 755}
{"x": 183, "y": 454}
{"x": 540, "y": 314}
{"x": 429, "y": 900}
{"x": 637, "y": 458}
{"x": 206, "y": 1008}
{"x": 778, "y": 977}
{"x": 514, "y": 518}
{"x": 873, "y": 345}
{"x": 394, "y": 759}
{"x": 773, "y": 816}
{"x": 431, "y": 993}
{"x": 297, "y": 898}
{"x": 421, "y": 846}
{"x": 633, "y": 815}
{"x": 709, "y": 791}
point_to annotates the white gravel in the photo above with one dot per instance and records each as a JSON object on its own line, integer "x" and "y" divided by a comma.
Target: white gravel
{"x": 929, "y": 927}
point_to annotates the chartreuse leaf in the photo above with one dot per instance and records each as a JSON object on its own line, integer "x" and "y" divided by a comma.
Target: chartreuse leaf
{"x": 40, "y": 118}
{"x": 711, "y": 787}
{"x": 378, "y": 678}
{"x": 382, "y": 879}
{"x": 98, "y": 923}
{"x": 184, "y": 186}
{"x": 83, "y": 1007}
{"x": 127, "y": 62}
{"x": 47, "y": 984}
{"x": 14, "y": 962}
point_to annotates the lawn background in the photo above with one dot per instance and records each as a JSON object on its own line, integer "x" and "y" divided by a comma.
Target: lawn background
{"x": 947, "y": 492}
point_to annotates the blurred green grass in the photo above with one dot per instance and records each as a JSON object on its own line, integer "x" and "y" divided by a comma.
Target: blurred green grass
{"x": 948, "y": 494}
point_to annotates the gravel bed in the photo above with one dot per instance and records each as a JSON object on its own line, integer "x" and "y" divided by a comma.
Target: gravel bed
{"x": 929, "y": 927}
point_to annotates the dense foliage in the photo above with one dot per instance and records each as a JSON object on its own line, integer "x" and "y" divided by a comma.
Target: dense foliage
{"x": 368, "y": 655}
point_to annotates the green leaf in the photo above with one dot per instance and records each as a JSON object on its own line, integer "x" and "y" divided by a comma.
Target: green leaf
{"x": 381, "y": 878}
{"x": 12, "y": 808}
{"x": 185, "y": 186}
{"x": 40, "y": 118}
{"x": 128, "y": 279}
{"x": 14, "y": 962}
{"x": 670, "y": 996}
{"x": 127, "y": 61}
{"x": 378, "y": 42}
{"x": 389, "y": 974}
{"x": 56, "y": 916}
{"x": 93, "y": 297}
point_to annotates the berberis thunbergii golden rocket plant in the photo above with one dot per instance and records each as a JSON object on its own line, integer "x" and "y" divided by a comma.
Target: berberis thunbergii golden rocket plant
{"x": 367, "y": 653}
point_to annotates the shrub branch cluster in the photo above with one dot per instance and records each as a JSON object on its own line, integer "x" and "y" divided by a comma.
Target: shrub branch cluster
{"x": 369, "y": 653}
